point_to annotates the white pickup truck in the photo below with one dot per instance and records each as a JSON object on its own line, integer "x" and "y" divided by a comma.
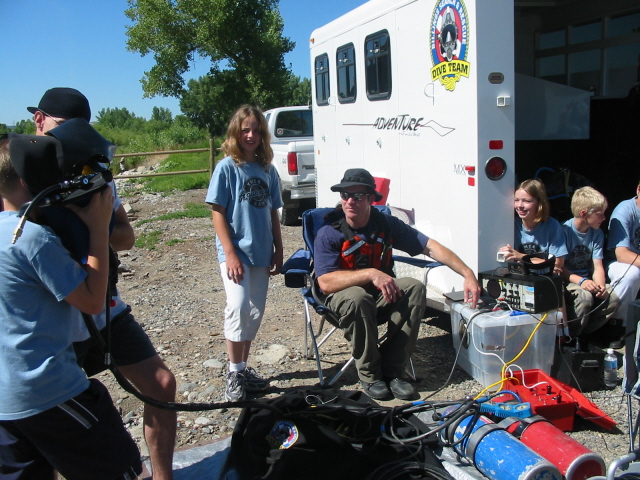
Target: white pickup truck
{"x": 293, "y": 148}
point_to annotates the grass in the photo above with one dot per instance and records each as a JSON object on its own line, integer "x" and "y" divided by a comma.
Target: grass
{"x": 174, "y": 241}
{"x": 165, "y": 184}
{"x": 192, "y": 210}
{"x": 148, "y": 240}
{"x": 178, "y": 163}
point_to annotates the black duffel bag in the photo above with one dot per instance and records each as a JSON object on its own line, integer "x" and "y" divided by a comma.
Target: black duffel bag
{"x": 326, "y": 434}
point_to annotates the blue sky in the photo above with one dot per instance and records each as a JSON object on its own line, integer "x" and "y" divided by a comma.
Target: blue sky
{"x": 81, "y": 44}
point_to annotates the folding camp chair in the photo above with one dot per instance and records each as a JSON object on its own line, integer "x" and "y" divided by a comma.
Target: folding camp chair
{"x": 298, "y": 272}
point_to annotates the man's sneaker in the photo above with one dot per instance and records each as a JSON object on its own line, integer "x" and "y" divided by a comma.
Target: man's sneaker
{"x": 252, "y": 381}
{"x": 235, "y": 387}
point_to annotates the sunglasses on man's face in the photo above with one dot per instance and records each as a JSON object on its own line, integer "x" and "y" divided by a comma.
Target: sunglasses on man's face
{"x": 357, "y": 196}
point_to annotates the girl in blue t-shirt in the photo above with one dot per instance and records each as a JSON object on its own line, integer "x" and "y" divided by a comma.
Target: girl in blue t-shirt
{"x": 245, "y": 195}
{"x": 536, "y": 232}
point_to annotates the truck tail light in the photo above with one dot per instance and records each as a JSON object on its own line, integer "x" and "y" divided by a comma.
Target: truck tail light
{"x": 495, "y": 168}
{"x": 292, "y": 163}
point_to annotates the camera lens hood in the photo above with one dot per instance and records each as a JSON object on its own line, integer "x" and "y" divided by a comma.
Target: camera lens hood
{"x": 539, "y": 264}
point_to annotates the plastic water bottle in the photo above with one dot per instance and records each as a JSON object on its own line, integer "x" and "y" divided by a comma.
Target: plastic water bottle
{"x": 610, "y": 369}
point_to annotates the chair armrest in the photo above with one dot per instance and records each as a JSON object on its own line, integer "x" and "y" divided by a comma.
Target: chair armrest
{"x": 300, "y": 260}
{"x": 297, "y": 268}
{"x": 417, "y": 262}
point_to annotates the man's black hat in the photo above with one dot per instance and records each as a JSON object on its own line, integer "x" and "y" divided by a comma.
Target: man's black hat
{"x": 355, "y": 177}
{"x": 64, "y": 103}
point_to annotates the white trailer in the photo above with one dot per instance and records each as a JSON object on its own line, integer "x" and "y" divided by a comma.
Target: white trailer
{"x": 420, "y": 92}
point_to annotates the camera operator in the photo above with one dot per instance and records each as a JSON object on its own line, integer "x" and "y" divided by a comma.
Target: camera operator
{"x": 131, "y": 348}
{"x": 51, "y": 415}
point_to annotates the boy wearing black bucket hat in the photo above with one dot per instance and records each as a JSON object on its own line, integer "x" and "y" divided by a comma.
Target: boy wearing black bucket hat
{"x": 360, "y": 285}
{"x": 51, "y": 415}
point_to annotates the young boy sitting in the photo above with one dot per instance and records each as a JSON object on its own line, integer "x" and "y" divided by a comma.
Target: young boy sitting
{"x": 51, "y": 416}
{"x": 590, "y": 301}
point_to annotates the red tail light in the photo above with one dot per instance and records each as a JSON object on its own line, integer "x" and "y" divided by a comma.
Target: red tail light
{"x": 292, "y": 163}
{"x": 495, "y": 168}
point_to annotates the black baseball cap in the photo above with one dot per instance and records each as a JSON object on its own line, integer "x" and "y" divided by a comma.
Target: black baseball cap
{"x": 355, "y": 177}
{"x": 62, "y": 102}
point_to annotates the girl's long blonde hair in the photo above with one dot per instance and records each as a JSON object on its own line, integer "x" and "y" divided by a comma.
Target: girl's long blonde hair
{"x": 536, "y": 189}
{"x": 231, "y": 145}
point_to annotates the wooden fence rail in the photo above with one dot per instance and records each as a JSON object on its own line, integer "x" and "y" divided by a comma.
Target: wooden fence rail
{"x": 212, "y": 156}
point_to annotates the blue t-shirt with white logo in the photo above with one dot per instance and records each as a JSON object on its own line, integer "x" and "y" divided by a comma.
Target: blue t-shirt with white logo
{"x": 546, "y": 237}
{"x": 583, "y": 248}
{"x": 248, "y": 193}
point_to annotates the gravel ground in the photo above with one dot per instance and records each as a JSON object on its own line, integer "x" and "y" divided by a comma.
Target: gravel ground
{"x": 177, "y": 295}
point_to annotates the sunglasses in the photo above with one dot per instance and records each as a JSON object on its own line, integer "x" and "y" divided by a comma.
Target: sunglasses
{"x": 357, "y": 196}
{"x": 58, "y": 121}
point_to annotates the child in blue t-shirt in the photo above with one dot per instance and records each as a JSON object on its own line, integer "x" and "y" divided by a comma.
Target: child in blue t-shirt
{"x": 590, "y": 302}
{"x": 51, "y": 416}
{"x": 536, "y": 232}
{"x": 245, "y": 195}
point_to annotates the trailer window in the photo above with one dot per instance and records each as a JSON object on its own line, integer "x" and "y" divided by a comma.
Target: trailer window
{"x": 346, "y": 69}
{"x": 322, "y": 79}
{"x": 378, "y": 66}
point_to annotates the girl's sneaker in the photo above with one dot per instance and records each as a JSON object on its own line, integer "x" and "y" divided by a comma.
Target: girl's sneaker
{"x": 252, "y": 381}
{"x": 235, "y": 391}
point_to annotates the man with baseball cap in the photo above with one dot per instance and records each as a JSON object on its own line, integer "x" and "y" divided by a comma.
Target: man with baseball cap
{"x": 57, "y": 105}
{"x": 354, "y": 269}
{"x": 131, "y": 348}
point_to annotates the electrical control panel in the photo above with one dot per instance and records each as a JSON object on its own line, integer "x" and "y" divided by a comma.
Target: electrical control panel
{"x": 527, "y": 293}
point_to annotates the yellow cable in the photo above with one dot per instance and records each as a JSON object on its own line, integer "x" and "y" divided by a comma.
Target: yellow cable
{"x": 504, "y": 367}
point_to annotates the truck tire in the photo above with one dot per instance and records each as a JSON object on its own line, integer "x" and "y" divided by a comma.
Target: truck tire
{"x": 288, "y": 216}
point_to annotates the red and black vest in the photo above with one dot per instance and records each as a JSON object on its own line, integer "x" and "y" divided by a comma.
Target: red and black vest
{"x": 373, "y": 250}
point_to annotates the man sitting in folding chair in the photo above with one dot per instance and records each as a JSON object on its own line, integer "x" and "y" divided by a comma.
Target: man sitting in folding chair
{"x": 353, "y": 266}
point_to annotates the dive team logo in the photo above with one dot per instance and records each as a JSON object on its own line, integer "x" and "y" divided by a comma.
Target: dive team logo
{"x": 283, "y": 435}
{"x": 580, "y": 258}
{"x": 256, "y": 192}
{"x": 449, "y": 43}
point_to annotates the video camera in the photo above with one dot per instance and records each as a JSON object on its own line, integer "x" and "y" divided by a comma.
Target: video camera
{"x": 68, "y": 165}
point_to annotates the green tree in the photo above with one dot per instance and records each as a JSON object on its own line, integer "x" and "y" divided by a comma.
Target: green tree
{"x": 161, "y": 119}
{"x": 161, "y": 114}
{"x": 25, "y": 126}
{"x": 298, "y": 91}
{"x": 243, "y": 36}
{"x": 120, "y": 118}
{"x": 4, "y": 129}
{"x": 210, "y": 101}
